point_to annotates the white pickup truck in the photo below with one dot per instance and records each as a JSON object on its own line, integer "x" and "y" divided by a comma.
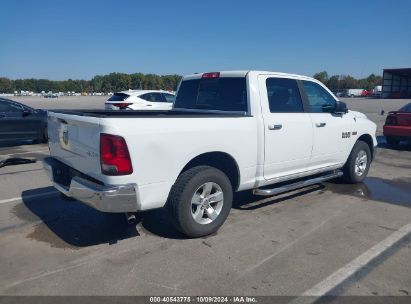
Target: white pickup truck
{"x": 228, "y": 131}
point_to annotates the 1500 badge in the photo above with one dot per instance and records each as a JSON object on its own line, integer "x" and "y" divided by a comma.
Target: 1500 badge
{"x": 346, "y": 134}
{"x": 92, "y": 154}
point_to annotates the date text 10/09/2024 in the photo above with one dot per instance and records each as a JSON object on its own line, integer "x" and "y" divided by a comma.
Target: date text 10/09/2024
{"x": 201, "y": 299}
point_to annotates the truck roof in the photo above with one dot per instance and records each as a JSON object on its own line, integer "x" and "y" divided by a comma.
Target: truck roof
{"x": 140, "y": 92}
{"x": 243, "y": 73}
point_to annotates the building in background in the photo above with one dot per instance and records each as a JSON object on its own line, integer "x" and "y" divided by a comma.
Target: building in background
{"x": 396, "y": 83}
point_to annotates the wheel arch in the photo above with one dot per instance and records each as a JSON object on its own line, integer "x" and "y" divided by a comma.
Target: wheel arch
{"x": 220, "y": 160}
{"x": 367, "y": 138}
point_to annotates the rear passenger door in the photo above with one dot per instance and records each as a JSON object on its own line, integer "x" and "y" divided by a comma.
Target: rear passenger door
{"x": 287, "y": 128}
{"x": 329, "y": 145}
{"x": 156, "y": 101}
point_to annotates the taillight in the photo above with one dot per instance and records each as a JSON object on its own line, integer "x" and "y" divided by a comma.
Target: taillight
{"x": 211, "y": 75}
{"x": 114, "y": 156}
{"x": 391, "y": 120}
{"x": 121, "y": 105}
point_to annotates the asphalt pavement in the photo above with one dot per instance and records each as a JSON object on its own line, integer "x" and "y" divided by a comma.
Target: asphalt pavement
{"x": 334, "y": 238}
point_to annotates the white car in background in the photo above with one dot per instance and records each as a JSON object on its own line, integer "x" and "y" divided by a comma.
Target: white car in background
{"x": 140, "y": 100}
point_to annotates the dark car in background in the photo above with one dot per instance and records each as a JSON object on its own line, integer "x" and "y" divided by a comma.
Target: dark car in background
{"x": 340, "y": 93}
{"x": 20, "y": 122}
{"x": 398, "y": 125}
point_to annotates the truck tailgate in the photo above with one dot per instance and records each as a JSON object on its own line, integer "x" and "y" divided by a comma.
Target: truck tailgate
{"x": 75, "y": 141}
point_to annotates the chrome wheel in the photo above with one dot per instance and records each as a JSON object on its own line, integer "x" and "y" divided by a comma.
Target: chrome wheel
{"x": 207, "y": 203}
{"x": 361, "y": 162}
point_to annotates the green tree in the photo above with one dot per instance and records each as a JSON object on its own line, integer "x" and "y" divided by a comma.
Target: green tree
{"x": 321, "y": 76}
{"x": 6, "y": 85}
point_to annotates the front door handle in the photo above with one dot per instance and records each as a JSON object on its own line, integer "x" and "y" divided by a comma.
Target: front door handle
{"x": 275, "y": 127}
{"x": 320, "y": 124}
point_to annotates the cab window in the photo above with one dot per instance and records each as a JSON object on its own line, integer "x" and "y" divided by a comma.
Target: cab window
{"x": 284, "y": 96}
{"x": 319, "y": 100}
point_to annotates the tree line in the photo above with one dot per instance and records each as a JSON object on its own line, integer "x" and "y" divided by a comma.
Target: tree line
{"x": 112, "y": 82}
{"x": 338, "y": 82}
{"x": 115, "y": 82}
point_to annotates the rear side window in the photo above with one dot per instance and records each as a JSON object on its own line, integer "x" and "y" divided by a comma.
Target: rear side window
{"x": 169, "y": 97}
{"x": 319, "y": 100}
{"x": 119, "y": 97}
{"x": 223, "y": 94}
{"x": 284, "y": 96}
{"x": 153, "y": 97}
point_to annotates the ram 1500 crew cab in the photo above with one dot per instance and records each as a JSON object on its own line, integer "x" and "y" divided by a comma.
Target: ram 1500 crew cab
{"x": 228, "y": 131}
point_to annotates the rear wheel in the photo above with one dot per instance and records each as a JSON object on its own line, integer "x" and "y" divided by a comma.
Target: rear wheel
{"x": 200, "y": 201}
{"x": 66, "y": 198}
{"x": 358, "y": 163}
{"x": 391, "y": 140}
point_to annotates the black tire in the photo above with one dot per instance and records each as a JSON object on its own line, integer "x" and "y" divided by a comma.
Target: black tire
{"x": 45, "y": 138}
{"x": 393, "y": 141}
{"x": 66, "y": 198}
{"x": 180, "y": 198}
{"x": 351, "y": 175}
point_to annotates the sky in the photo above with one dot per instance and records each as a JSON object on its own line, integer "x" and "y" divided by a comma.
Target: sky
{"x": 62, "y": 39}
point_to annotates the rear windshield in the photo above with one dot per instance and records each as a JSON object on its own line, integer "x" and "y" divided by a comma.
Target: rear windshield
{"x": 223, "y": 94}
{"x": 118, "y": 97}
{"x": 406, "y": 108}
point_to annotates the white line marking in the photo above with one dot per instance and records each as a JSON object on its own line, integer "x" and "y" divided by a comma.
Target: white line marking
{"x": 252, "y": 268}
{"x": 355, "y": 265}
{"x": 28, "y": 152}
{"x": 16, "y": 199}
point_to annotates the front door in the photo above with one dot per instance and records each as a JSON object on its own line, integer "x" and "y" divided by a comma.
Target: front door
{"x": 331, "y": 131}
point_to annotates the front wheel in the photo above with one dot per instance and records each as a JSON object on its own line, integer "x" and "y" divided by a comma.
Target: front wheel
{"x": 358, "y": 163}
{"x": 200, "y": 201}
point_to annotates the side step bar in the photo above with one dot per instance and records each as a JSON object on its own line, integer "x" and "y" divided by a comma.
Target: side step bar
{"x": 297, "y": 185}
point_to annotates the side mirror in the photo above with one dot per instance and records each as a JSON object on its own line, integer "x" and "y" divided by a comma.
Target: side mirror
{"x": 340, "y": 107}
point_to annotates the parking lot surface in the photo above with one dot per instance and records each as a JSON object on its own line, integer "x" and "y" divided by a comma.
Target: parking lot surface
{"x": 331, "y": 237}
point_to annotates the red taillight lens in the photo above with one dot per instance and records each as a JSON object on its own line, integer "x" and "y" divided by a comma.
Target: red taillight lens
{"x": 391, "y": 120}
{"x": 114, "y": 156}
{"x": 211, "y": 75}
{"x": 121, "y": 105}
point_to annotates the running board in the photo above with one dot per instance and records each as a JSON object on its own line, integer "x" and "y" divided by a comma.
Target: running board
{"x": 297, "y": 185}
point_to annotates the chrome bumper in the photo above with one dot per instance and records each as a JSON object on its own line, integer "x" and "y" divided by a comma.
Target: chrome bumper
{"x": 105, "y": 198}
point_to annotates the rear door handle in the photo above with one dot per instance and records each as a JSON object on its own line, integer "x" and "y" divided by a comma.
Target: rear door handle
{"x": 275, "y": 127}
{"x": 320, "y": 124}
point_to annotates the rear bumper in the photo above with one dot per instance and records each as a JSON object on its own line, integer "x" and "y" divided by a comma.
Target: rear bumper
{"x": 398, "y": 131}
{"x": 105, "y": 198}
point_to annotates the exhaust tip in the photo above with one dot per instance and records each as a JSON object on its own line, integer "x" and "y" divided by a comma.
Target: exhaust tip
{"x": 131, "y": 218}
